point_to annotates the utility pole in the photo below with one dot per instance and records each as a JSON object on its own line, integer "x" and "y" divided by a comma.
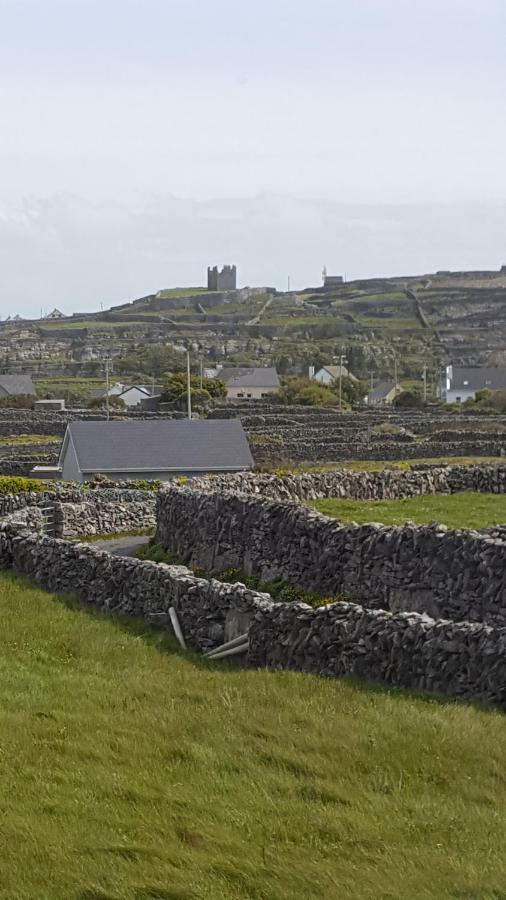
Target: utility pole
{"x": 201, "y": 373}
{"x": 372, "y": 386}
{"x": 107, "y": 361}
{"x": 288, "y": 284}
{"x": 395, "y": 370}
{"x": 341, "y": 358}
{"x": 425, "y": 382}
{"x": 188, "y": 385}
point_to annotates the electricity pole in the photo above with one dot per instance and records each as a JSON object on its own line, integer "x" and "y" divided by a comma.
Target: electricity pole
{"x": 107, "y": 361}
{"x": 201, "y": 373}
{"x": 188, "y": 385}
{"x": 425, "y": 382}
{"x": 342, "y": 360}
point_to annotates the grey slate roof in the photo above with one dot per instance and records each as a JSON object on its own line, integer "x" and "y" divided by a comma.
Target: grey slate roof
{"x": 162, "y": 445}
{"x": 16, "y": 384}
{"x": 382, "y": 390}
{"x": 266, "y": 377}
{"x": 478, "y": 378}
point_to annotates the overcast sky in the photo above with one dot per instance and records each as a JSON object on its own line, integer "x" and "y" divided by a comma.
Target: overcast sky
{"x": 141, "y": 140}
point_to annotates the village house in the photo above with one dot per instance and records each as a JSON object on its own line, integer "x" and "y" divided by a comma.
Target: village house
{"x": 15, "y": 385}
{"x": 152, "y": 449}
{"x": 249, "y": 383}
{"x": 384, "y": 393}
{"x": 462, "y": 383}
{"x": 131, "y": 395}
{"x": 329, "y": 374}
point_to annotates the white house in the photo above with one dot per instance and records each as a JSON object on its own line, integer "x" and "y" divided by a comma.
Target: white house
{"x": 249, "y": 383}
{"x": 131, "y": 395}
{"x": 329, "y": 374}
{"x": 462, "y": 383}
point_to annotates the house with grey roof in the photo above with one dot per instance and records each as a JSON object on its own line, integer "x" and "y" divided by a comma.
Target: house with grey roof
{"x": 153, "y": 449}
{"x": 130, "y": 394}
{"x": 14, "y": 385}
{"x": 330, "y": 374}
{"x": 249, "y": 383}
{"x": 384, "y": 393}
{"x": 462, "y": 382}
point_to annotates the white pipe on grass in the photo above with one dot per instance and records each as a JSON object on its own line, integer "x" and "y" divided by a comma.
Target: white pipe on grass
{"x": 233, "y": 651}
{"x": 228, "y": 644}
{"x": 177, "y": 627}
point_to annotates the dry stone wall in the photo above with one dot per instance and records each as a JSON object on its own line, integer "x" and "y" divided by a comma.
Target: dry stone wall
{"x": 389, "y": 484}
{"x": 404, "y": 649}
{"x": 459, "y": 575}
{"x": 440, "y": 621}
{"x": 408, "y": 650}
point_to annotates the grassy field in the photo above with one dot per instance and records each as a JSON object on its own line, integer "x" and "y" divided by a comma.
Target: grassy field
{"x": 465, "y": 510}
{"x": 30, "y": 439}
{"x": 377, "y": 465}
{"x": 130, "y": 771}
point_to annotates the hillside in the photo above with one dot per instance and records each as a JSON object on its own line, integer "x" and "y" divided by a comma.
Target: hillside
{"x": 427, "y": 319}
{"x": 131, "y": 771}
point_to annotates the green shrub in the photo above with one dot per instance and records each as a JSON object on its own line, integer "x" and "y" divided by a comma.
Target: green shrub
{"x": 143, "y": 485}
{"x": 157, "y": 553}
{"x": 17, "y": 484}
{"x": 17, "y": 401}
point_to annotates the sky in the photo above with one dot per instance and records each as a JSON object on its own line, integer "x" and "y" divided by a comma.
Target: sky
{"x": 142, "y": 140}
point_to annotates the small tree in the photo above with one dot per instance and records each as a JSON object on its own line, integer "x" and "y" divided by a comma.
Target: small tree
{"x": 101, "y": 403}
{"x": 409, "y": 400}
{"x": 353, "y": 392}
{"x": 176, "y": 387}
{"x": 306, "y": 392}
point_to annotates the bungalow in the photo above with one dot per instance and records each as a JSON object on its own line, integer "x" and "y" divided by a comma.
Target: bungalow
{"x": 131, "y": 395}
{"x": 13, "y": 385}
{"x": 463, "y": 382}
{"x": 384, "y": 393}
{"x": 329, "y": 374}
{"x": 153, "y": 449}
{"x": 249, "y": 383}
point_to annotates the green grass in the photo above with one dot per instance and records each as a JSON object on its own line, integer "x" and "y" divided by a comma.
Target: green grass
{"x": 465, "y": 510}
{"x": 114, "y": 535}
{"x": 30, "y": 439}
{"x": 131, "y": 771}
{"x": 370, "y": 465}
{"x": 182, "y": 292}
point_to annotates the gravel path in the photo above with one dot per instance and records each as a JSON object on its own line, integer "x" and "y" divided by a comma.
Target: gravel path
{"x": 124, "y": 546}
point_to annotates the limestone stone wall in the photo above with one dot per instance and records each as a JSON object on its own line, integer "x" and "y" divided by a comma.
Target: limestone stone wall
{"x": 389, "y": 484}
{"x": 459, "y": 575}
{"x": 457, "y": 659}
{"x": 404, "y": 649}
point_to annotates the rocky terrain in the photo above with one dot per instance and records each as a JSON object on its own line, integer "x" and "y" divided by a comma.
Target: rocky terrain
{"x": 423, "y": 320}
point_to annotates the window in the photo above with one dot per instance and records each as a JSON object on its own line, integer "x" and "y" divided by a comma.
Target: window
{"x": 248, "y": 396}
{"x": 466, "y": 383}
{"x": 240, "y": 395}
{"x": 458, "y": 399}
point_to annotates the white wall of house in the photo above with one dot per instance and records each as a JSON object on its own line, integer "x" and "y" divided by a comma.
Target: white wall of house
{"x": 69, "y": 464}
{"x": 250, "y": 393}
{"x": 459, "y": 396}
{"x": 324, "y": 377}
{"x": 133, "y": 396}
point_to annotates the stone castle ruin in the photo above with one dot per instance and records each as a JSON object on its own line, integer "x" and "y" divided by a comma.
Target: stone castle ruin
{"x": 226, "y": 280}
